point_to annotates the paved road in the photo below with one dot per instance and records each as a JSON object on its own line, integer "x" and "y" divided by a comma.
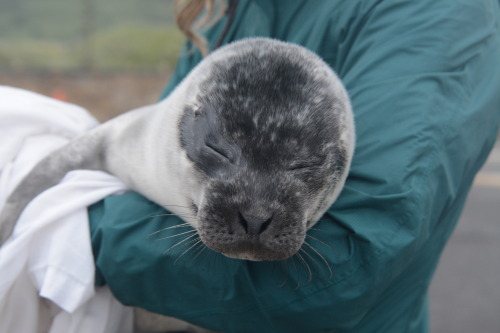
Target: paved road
{"x": 465, "y": 293}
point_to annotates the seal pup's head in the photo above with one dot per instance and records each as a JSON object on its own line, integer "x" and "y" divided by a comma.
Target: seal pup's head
{"x": 268, "y": 131}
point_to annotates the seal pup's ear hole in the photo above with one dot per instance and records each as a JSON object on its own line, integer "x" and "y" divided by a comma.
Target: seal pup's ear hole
{"x": 194, "y": 207}
{"x": 197, "y": 110}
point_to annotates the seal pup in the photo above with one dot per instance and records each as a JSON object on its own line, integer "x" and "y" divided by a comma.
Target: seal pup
{"x": 255, "y": 144}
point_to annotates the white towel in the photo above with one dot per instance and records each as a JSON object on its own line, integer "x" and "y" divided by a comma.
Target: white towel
{"x": 46, "y": 266}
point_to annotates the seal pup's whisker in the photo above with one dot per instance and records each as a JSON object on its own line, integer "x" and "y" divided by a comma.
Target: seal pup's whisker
{"x": 316, "y": 229}
{"x": 177, "y": 235}
{"x": 302, "y": 249}
{"x": 332, "y": 248}
{"x": 167, "y": 207}
{"x": 322, "y": 258}
{"x": 179, "y": 243}
{"x": 285, "y": 280}
{"x": 311, "y": 257}
{"x": 184, "y": 225}
{"x": 196, "y": 205}
{"x": 306, "y": 265}
{"x": 318, "y": 240}
{"x": 191, "y": 242}
{"x": 173, "y": 214}
{"x": 191, "y": 199}
{"x": 181, "y": 216}
{"x": 201, "y": 246}
{"x": 198, "y": 241}
{"x": 296, "y": 273}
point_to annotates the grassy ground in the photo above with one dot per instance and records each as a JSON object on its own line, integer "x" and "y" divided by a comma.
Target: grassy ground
{"x": 76, "y": 35}
{"x": 108, "y": 56}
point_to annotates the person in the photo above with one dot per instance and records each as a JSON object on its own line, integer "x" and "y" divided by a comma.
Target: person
{"x": 423, "y": 78}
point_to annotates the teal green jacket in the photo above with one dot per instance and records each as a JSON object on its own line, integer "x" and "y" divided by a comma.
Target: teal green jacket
{"x": 424, "y": 80}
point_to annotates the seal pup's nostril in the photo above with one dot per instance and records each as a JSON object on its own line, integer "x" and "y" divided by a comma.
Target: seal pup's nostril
{"x": 254, "y": 225}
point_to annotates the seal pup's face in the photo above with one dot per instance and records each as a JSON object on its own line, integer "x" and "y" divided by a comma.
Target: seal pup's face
{"x": 267, "y": 136}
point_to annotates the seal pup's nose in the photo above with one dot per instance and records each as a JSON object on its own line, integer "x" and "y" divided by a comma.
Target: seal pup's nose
{"x": 254, "y": 225}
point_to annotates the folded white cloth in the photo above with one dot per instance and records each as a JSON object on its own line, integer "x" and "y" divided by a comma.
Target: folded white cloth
{"x": 46, "y": 266}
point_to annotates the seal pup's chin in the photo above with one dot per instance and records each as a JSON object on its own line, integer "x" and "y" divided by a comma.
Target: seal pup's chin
{"x": 257, "y": 256}
{"x": 247, "y": 256}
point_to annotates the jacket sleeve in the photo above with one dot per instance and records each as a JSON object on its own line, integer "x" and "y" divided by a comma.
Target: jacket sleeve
{"x": 424, "y": 81}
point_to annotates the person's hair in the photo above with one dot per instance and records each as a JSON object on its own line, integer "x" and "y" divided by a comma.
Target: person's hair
{"x": 190, "y": 20}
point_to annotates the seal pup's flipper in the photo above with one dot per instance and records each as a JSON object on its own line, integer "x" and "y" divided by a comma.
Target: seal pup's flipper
{"x": 81, "y": 153}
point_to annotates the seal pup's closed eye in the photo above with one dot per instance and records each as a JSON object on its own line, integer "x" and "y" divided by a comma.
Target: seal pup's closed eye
{"x": 255, "y": 144}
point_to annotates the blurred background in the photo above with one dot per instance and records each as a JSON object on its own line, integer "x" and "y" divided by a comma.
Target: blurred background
{"x": 465, "y": 292}
{"x": 110, "y": 56}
